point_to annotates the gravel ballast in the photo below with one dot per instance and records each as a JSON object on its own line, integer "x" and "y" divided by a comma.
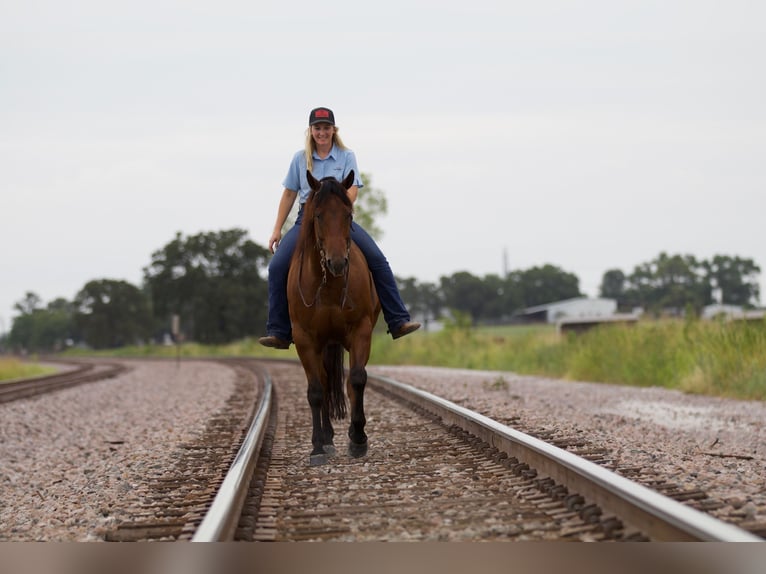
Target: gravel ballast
{"x": 712, "y": 444}
{"x": 72, "y": 463}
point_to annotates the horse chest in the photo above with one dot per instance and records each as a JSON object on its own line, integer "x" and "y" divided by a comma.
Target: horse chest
{"x": 331, "y": 318}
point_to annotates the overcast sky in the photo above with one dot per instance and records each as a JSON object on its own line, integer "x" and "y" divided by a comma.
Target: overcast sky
{"x": 590, "y": 135}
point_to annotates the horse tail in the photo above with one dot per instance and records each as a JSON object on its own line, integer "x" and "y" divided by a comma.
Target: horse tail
{"x": 333, "y": 366}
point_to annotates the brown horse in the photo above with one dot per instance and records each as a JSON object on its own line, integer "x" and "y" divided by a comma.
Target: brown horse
{"x": 333, "y": 306}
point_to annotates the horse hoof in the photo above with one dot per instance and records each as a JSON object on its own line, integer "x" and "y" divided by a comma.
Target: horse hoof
{"x": 317, "y": 459}
{"x": 357, "y": 450}
{"x": 329, "y": 449}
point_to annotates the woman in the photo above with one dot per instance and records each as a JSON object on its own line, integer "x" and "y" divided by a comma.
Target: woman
{"x": 324, "y": 155}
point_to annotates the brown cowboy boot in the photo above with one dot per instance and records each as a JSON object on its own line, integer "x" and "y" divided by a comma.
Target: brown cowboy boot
{"x": 274, "y": 342}
{"x": 405, "y": 329}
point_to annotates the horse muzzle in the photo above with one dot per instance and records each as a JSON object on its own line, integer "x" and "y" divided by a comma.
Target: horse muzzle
{"x": 336, "y": 266}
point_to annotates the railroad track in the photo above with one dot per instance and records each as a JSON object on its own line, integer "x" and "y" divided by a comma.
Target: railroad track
{"x": 435, "y": 471}
{"x": 81, "y": 372}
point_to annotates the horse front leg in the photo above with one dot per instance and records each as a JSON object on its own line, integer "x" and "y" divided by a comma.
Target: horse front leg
{"x": 316, "y": 399}
{"x": 359, "y": 354}
{"x": 311, "y": 359}
{"x": 357, "y": 380}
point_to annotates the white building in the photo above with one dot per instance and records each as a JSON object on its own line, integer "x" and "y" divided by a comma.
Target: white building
{"x": 578, "y": 307}
{"x": 732, "y": 313}
{"x": 721, "y": 309}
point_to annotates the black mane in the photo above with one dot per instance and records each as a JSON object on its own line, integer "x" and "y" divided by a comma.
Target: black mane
{"x": 330, "y": 186}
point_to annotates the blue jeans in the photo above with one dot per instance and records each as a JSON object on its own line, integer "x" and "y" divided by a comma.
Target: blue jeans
{"x": 394, "y": 311}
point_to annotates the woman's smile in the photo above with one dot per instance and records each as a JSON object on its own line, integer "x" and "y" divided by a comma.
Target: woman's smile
{"x": 322, "y": 133}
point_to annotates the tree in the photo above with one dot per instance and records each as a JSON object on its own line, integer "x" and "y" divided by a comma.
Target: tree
{"x": 410, "y": 292}
{"x": 673, "y": 283}
{"x": 371, "y": 204}
{"x": 681, "y": 282}
{"x": 465, "y": 292}
{"x": 29, "y": 304}
{"x": 213, "y": 281}
{"x": 613, "y": 285}
{"x": 547, "y": 284}
{"x": 112, "y": 313}
{"x": 41, "y": 329}
{"x": 422, "y": 299}
{"x": 431, "y": 300}
{"x": 669, "y": 284}
{"x": 502, "y": 297}
{"x": 494, "y": 298}
{"x": 736, "y": 278}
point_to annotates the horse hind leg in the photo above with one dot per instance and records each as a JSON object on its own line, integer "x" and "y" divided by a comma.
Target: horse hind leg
{"x": 334, "y": 405}
{"x": 357, "y": 446}
{"x": 328, "y": 432}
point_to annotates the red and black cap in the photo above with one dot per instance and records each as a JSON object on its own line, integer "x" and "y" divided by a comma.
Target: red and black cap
{"x": 321, "y": 116}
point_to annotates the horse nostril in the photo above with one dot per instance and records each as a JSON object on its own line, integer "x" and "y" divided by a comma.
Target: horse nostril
{"x": 337, "y": 265}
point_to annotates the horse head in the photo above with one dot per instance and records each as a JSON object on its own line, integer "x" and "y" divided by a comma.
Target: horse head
{"x": 330, "y": 212}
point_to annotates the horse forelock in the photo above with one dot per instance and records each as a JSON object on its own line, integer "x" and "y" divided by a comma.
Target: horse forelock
{"x": 329, "y": 186}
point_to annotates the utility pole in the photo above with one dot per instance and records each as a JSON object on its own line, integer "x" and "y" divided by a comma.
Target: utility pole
{"x": 175, "y": 329}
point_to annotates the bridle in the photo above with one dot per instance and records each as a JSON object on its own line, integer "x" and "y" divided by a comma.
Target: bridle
{"x": 323, "y": 265}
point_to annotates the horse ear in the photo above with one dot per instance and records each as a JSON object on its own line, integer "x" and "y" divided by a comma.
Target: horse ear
{"x": 313, "y": 182}
{"x": 349, "y": 181}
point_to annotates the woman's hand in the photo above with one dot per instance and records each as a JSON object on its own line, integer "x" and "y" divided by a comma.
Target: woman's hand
{"x": 274, "y": 240}
{"x": 285, "y": 205}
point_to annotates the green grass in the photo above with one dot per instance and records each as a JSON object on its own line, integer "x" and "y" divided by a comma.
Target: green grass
{"x": 712, "y": 358}
{"x": 12, "y": 368}
{"x": 521, "y": 349}
{"x": 244, "y": 348}
{"x": 702, "y": 357}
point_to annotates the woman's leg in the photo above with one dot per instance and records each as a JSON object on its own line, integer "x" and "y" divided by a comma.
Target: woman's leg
{"x": 278, "y": 324}
{"x": 395, "y": 313}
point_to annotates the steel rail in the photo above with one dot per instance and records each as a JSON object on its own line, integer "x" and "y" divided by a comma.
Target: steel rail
{"x": 657, "y": 516}
{"x": 82, "y": 373}
{"x": 220, "y": 521}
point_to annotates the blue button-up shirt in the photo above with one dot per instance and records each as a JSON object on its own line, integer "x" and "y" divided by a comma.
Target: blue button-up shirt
{"x": 337, "y": 164}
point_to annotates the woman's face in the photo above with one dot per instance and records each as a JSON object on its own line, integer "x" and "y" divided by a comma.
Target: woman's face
{"x": 322, "y": 133}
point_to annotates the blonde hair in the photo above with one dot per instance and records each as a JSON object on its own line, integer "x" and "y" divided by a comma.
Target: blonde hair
{"x": 311, "y": 146}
